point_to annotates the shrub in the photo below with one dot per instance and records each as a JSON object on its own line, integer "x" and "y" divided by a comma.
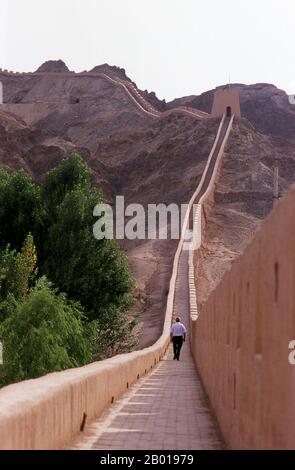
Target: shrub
{"x": 17, "y": 275}
{"x": 43, "y": 334}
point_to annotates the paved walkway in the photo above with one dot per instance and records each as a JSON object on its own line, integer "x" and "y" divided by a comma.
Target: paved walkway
{"x": 167, "y": 409}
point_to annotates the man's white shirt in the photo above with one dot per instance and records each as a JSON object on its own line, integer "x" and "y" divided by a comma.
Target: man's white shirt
{"x": 178, "y": 329}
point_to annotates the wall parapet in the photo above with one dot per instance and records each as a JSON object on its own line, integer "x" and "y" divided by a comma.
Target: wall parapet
{"x": 240, "y": 340}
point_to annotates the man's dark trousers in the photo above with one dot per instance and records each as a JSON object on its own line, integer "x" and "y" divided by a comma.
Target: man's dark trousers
{"x": 177, "y": 344}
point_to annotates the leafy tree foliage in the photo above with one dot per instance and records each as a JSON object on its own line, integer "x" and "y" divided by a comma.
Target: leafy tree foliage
{"x": 71, "y": 173}
{"x": 43, "y": 329}
{"x": 17, "y": 274}
{"x": 95, "y": 272}
{"x": 45, "y": 333}
{"x": 19, "y": 208}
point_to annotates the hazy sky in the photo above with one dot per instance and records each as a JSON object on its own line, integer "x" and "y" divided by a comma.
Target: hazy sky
{"x": 173, "y": 47}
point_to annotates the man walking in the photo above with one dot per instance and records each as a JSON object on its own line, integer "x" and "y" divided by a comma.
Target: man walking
{"x": 177, "y": 334}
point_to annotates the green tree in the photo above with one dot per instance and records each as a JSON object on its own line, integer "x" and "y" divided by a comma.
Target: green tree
{"x": 45, "y": 333}
{"x": 20, "y": 208}
{"x": 28, "y": 265}
{"x": 17, "y": 274}
{"x": 71, "y": 173}
{"x": 95, "y": 272}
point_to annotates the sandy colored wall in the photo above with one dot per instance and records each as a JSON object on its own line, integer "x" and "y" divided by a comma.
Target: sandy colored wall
{"x": 46, "y": 413}
{"x": 224, "y": 98}
{"x": 241, "y": 337}
{"x": 201, "y": 212}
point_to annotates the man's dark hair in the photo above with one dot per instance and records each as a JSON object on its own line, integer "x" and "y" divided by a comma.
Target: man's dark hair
{"x": 177, "y": 319}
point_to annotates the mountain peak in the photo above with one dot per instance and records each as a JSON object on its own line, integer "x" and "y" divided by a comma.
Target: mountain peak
{"x": 53, "y": 66}
{"x": 111, "y": 70}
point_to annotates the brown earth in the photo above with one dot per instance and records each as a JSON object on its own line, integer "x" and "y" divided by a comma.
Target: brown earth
{"x": 34, "y": 150}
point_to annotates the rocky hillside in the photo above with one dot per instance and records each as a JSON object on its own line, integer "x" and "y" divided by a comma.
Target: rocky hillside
{"x": 34, "y": 150}
{"x": 145, "y": 159}
{"x": 78, "y": 109}
{"x": 53, "y": 112}
{"x": 243, "y": 198}
{"x": 264, "y": 105}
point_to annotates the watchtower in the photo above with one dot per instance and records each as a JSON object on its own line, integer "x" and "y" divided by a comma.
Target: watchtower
{"x": 226, "y": 102}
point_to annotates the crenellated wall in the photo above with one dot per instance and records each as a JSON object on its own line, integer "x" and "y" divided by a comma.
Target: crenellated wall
{"x": 241, "y": 337}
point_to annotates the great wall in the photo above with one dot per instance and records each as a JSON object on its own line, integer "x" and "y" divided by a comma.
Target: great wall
{"x": 237, "y": 342}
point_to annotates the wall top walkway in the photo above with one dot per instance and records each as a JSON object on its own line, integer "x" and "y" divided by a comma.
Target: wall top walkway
{"x": 168, "y": 409}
